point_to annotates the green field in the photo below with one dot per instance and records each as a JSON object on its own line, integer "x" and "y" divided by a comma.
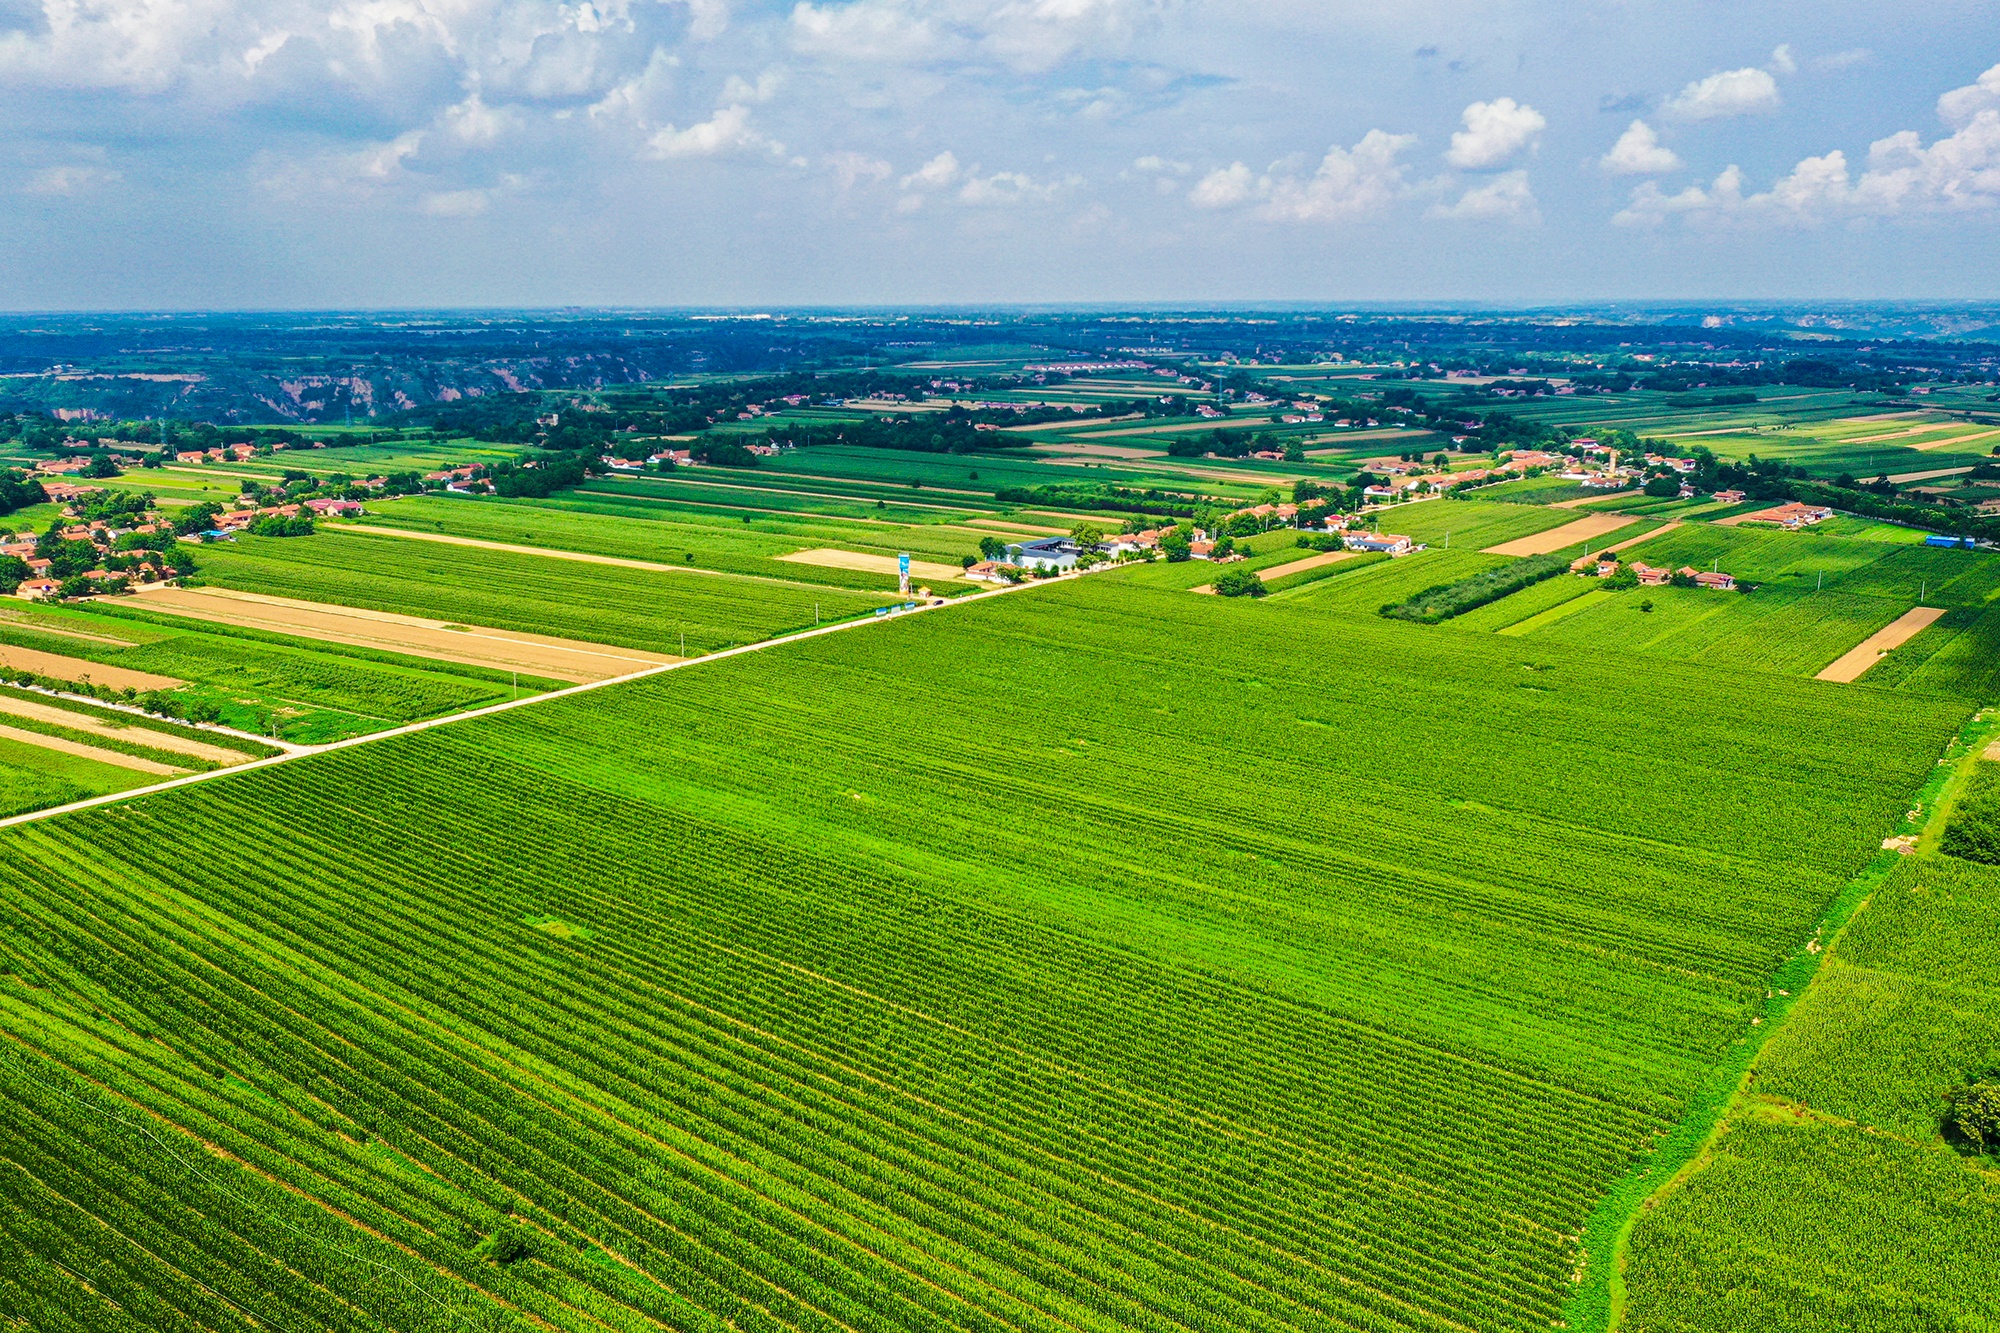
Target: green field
{"x": 611, "y": 604}
{"x": 1830, "y": 1201}
{"x": 851, "y": 985}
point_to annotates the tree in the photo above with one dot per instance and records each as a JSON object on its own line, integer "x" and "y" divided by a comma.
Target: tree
{"x": 1175, "y": 544}
{"x": 1682, "y": 581}
{"x": 101, "y": 466}
{"x": 1087, "y": 534}
{"x": 1295, "y": 452}
{"x": 1973, "y": 1113}
{"x": 1664, "y": 487}
{"x": 992, "y": 548}
{"x": 1240, "y": 583}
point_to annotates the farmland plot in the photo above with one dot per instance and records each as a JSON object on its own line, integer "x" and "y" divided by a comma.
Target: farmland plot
{"x": 856, "y": 985}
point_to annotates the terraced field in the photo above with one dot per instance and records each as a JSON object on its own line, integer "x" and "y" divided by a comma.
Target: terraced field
{"x": 858, "y": 985}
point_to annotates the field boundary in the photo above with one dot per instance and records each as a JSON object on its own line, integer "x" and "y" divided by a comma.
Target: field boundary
{"x": 307, "y": 751}
{"x": 1598, "y": 1305}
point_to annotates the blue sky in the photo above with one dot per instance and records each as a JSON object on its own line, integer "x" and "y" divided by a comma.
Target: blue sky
{"x": 281, "y": 153}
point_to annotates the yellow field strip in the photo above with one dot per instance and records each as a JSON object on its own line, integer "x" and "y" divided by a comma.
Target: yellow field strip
{"x": 1569, "y": 534}
{"x": 146, "y": 736}
{"x": 1301, "y": 566}
{"x": 1904, "y": 478}
{"x": 1856, "y": 660}
{"x": 553, "y": 553}
{"x": 827, "y": 558}
{"x": 472, "y": 645}
{"x": 1954, "y": 441}
{"x": 91, "y": 752}
{"x": 76, "y": 668}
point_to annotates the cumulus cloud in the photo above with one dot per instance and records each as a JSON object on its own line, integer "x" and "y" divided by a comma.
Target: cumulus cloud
{"x": 1959, "y": 173}
{"x": 1494, "y": 132}
{"x": 1782, "y": 61}
{"x": 1735, "y": 92}
{"x": 935, "y": 174}
{"x": 1006, "y": 188}
{"x": 1960, "y": 105}
{"x": 1349, "y": 183}
{"x": 1505, "y": 198}
{"x": 1639, "y": 152}
{"x": 728, "y": 130}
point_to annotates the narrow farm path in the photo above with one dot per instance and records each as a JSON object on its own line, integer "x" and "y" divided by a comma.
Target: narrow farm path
{"x": 306, "y": 751}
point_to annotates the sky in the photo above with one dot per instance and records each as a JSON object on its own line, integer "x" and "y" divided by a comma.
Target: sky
{"x": 275, "y": 154}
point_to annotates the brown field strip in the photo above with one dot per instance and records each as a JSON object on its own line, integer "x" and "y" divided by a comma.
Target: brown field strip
{"x": 1856, "y": 660}
{"x": 58, "y": 667}
{"x": 91, "y": 752}
{"x": 1007, "y": 525}
{"x": 1301, "y": 566}
{"x": 157, "y": 740}
{"x": 470, "y": 645}
{"x": 1904, "y": 478}
{"x": 828, "y": 558}
{"x": 582, "y": 557}
{"x": 1569, "y": 534}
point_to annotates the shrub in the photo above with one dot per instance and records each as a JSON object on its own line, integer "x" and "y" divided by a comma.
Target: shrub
{"x": 1451, "y": 599}
{"x": 1972, "y": 1116}
{"x": 1973, "y": 832}
{"x": 1240, "y": 583}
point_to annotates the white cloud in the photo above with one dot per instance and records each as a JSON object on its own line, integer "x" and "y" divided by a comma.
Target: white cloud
{"x": 67, "y": 180}
{"x": 1494, "y": 132}
{"x": 739, "y": 89}
{"x": 1224, "y": 187}
{"x": 1639, "y": 152}
{"x": 1840, "y": 60}
{"x": 707, "y": 19}
{"x": 1782, "y": 61}
{"x": 1960, "y": 105}
{"x": 475, "y": 123}
{"x": 1957, "y": 174}
{"x": 937, "y": 173}
{"x": 1735, "y": 92}
{"x": 1006, "y": 188}
{"x": 726, "y": 131}
{"x": 1505, "y": 198}
{"x": 1349, "y": 183}
{"x": 875, "y": 31}
{"x": 850, "y": 168}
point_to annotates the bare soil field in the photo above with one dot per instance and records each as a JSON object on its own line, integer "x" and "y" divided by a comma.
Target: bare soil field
{"x": 111, "y": 757}
{"x": 1895, "y": 634}
{"x": 156, "y": 740}
{"x": 77, "y": 668}
{"x": 1301, "y": 566}
{"x": 472, "y": 645}
{"x": 827, "y": 558}
{"x": 1569, "y": 534}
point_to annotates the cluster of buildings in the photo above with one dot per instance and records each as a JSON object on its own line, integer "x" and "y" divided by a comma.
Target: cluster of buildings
{"x": 145, "y": 566}
{"x": 1791, "y": 517}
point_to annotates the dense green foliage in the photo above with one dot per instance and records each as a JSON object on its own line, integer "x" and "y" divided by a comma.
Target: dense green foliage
{"x": 1444, "y": 600}
{"x": 1973, "y": 832}
{"x": 732, "y": 995}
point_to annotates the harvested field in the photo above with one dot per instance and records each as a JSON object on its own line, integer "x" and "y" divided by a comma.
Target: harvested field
{"x": 827, "y": 558}
{"x": 91, "y": 752}
{"x": 59, "y": 667}
{"x": 1301, "y": 566}
{"x": 1569, "y": 534}
{"x": 473, "y": 645}
{"x": 1856, "y": 660}
{"x": 146, "y": 736}
{"x": 557, "y": 553}
{"x": 1954, "y": 441}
